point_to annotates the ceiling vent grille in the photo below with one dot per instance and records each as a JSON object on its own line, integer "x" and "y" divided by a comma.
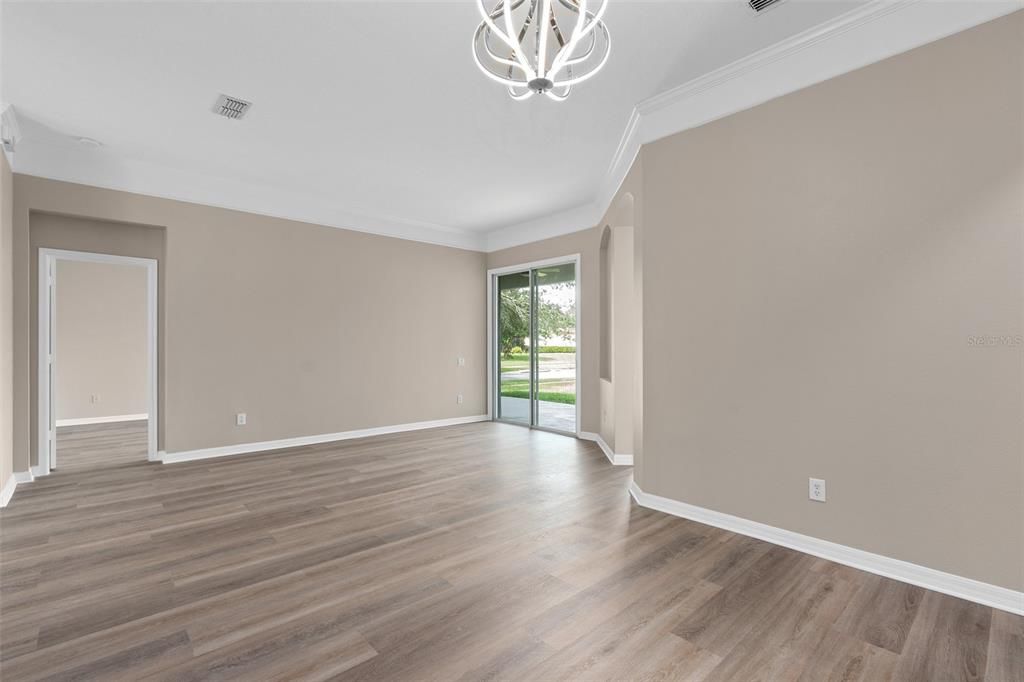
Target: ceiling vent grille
{"x": 231, "y": 107}
{"x": 762, "y": 5}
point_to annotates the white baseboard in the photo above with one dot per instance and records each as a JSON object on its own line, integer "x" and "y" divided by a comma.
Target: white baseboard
{"x": 616, "y": 458}
{"x": 8, "y": 491}
{"x": 904, "y": 571}
{"x": 248, "y": 448}
{"x": 35, "y": 472}
{"x": 16, "y": 478}
{"x": 81, "y": 421}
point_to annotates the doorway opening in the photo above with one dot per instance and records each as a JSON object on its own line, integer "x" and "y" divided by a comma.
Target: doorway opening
{"x": 533, "y": 316}
{"x": 97, "y": 360}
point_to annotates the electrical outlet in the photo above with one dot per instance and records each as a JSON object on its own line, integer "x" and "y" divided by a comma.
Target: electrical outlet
{"x": 462, "y": 362}
{"x": 459, "y": 399}
{"x": 816, "y": 489}
{"x": 94, "y": 398}
{"x": 240, "y": 419}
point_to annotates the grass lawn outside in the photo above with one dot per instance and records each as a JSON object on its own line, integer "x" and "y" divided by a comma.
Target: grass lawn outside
{"x": 543, "y": 396}
{"x": 554, "y": 390}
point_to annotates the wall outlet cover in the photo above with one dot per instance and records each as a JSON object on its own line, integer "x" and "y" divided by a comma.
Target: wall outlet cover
{"x": 816, "y": 489}
{"x": 240, "y": 419}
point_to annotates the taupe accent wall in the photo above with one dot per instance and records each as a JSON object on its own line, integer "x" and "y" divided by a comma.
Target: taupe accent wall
{"x": 102, "y": 352}
{"x": 833, "y": 288}
{"x": 6, "y": 321}
{"x": 307, "y": 329}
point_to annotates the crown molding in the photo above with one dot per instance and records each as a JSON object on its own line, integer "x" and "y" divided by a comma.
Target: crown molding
{"x": 847, "y": 43}
{"x": 99, "y": 168}
{"x": 581, "y": 217}
{"x": 544, "y": 227}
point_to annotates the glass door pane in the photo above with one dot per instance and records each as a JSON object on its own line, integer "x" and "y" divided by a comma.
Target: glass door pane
{"x": 513, "y": 347}
{"x": 555, "y": 348}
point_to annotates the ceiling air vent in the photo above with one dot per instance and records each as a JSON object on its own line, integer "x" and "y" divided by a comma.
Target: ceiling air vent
{"x": 232, "y": 107}
{"x": 761, "y": 5}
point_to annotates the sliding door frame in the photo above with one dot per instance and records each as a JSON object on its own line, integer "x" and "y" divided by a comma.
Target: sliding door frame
{"x": 492, "y": 333}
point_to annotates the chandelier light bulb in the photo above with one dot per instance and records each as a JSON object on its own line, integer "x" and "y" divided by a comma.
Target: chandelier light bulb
{"x": 541, "y": 47}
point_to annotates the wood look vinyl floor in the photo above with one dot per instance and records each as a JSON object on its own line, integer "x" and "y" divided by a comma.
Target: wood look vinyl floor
{"x": 475, "y": 552}
{"x": 98, "y": 446}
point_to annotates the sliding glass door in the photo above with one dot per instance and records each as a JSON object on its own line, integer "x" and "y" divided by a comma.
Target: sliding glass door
{"x": 534, "y": 342}
{"x": 515, "y": 378}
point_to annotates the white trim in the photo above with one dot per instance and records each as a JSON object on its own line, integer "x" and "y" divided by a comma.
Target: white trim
{"x": 16, "y": 479}
{"x": 543, "y": 263}
{"x": 230, "y": 194}
{"x": 579, "y": 343}
{"x": 616, "y": 458}
{"x": 8, "y": 491}
{"x": 929, "y": 578}
{"x": 153, "y": 341}
{"x": 46, "y": 328}
{"x": 35, "y": 472}
{"x": 45, "y": 405}
{"x": 93, "y": 257}
{"x": 544, "y": 227}
{"x": 492, "y": 358}
{"x": 82, "y": 421}
{"x": 850, "y": 41}
{"x": 250, "y": 448}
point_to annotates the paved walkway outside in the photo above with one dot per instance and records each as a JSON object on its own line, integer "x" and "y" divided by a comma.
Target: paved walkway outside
{"x": 551, "y": 415}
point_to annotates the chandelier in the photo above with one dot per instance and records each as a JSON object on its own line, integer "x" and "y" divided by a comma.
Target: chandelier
{"x": 541, "y": 47}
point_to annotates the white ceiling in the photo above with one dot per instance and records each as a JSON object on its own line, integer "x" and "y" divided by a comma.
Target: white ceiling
{"x": 371, "y": 110}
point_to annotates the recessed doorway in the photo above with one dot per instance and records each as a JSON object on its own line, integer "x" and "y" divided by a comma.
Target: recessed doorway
{"x": 98, "y": 380}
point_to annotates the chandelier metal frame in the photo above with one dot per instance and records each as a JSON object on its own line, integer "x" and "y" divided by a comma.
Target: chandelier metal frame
{"x": 532, "y": 53}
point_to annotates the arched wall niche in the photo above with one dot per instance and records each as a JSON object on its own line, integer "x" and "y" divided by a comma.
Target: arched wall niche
{"x": 618, "y": 334}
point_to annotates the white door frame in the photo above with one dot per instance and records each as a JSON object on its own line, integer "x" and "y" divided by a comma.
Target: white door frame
{"x": 46, "y": 451}
{"x": 492, "y": 327}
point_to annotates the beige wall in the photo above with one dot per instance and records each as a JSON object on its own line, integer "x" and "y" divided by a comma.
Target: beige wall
{"x": 307, "y": 329}
{"x": 811, "y": 278}
{"x": 817, "y": 271}
{"x": 51, "y": 230}
{"x": 622, "y": 327}
{"x": 587, "y": 243}
{"x": 6, "y": 319}
{"x": 102, "y": 350}
{"x": 617, "y": 339}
